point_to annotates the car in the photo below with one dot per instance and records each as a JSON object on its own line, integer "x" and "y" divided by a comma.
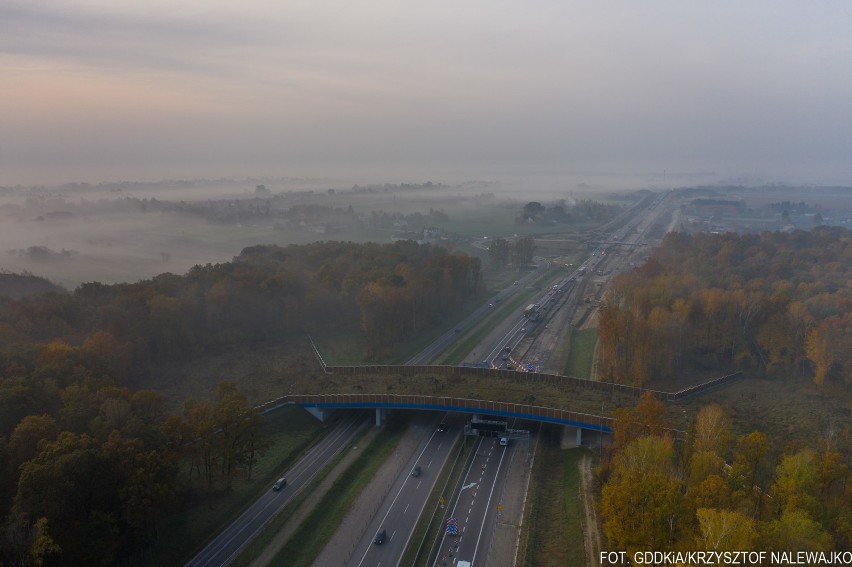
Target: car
{"x": 504, "y": 357}
{"x": 279, "y": 484}
{"x": 509, "y": 366}
{"x": 442, "y": 427}
{"x": 516, "y": 283}
{"x": 490, "y": 305}
{"x": 504, "y": 441}
{"x": 415, "y": 472}
{"x": 380, "y": 537}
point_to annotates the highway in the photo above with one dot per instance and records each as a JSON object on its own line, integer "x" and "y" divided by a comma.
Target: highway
{"x": 225, "y": 547}
{"x": 474, "y": 511}
{"x": 399, "y": 513}
{"x": 428, "y": 355}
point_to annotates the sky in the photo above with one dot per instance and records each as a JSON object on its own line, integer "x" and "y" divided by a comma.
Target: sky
{"x": 390, "y": 91}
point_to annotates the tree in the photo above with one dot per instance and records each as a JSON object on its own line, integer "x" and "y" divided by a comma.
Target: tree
{"x": 522, "y": 251}
{"x": 795, "y": 531}
{"x": 749, "y": 473}
{"x": 796, "y": 481}
{"x": 712, "y": 430}
{"x": 28, "y": 437}
{"x": 642, "y": 503}
{"x": 724, "y": 530}
{"x": 238, "y": 424}
{"x": 498, "y": 251}
{"x": 533, "y": 209}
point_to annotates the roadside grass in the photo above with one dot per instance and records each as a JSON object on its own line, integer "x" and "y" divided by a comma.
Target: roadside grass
{"x": 553, "y": 531}
{"x": 581, "y": 353}
{"x": 259, "y": 544}
{"x": 182, "y": 535}
{"x": 308, "y": 541}
{"x": 430, "y": 527}
{"x": 339, "y": 348}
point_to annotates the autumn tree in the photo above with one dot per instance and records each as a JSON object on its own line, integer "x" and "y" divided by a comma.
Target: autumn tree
{"x": 725, "y": 530}
{"x": 642, "y": 502}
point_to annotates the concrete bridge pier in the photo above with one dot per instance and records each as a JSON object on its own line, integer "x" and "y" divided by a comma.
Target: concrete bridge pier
{"x": 321, "y": 414}
{"x": 381, "y": 416}
{"x": 567, "y": 441}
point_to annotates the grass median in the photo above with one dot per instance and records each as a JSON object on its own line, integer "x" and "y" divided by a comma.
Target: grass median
{"x": 319, "y": 526}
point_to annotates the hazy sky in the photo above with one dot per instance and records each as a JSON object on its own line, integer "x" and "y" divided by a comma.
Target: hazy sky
{"x": 96, "y": 90}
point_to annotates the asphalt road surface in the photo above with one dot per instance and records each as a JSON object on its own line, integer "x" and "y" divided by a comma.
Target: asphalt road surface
{"x": 405, "y": 502}
{"x": 227, "y": 545}
{"x": 476, "y": 508}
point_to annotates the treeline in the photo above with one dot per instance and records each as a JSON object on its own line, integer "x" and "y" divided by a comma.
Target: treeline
{"x": 560, "y": 211}
{"x": 715, "y": 492}
{"x": 88, "y": 468}
{"x": 386, "y": 292}
{"x": 774, "y": 302}
{"x": 88, "y": 465}
{"x": 518, "y": 252}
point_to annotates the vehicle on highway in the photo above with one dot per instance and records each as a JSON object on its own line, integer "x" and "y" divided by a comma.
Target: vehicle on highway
{"x": 415, "y": 472}
{"x": 504, "y": 441}
{"x": 442, "y": 427}
{"x": 279, "y": 484}
{"x": 380, "y": 537}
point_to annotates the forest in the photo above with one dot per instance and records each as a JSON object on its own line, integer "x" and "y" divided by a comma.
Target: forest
{"x": 774, "y": 303}
{"x": 715, "y": 491}
{"x": 90, "y": 458}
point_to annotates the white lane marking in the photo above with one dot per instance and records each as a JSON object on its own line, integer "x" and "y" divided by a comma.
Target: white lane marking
{"x": 406, "y": 508}
{"x": 488, "y": 505}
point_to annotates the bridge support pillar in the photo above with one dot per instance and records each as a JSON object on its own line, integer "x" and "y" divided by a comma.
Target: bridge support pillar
{"x": 381, "y": 416}
{"x": 321, "y": 414}
{"x": 568, "y": 440}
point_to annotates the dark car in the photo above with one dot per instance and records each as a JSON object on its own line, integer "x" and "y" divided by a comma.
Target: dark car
{"x": 380, "y": 537}
{"x": 279, "y": 484}
{"x": 415, "y": 472}
{"x": 442, "y": 427}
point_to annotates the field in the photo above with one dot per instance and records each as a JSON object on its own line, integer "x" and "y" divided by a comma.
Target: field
{"x": 581, "y": 353}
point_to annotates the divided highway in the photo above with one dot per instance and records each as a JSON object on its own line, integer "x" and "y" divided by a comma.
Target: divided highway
{"x": 473, "y": 515}
{"x": 398, "y": 515}
{"x": 227, "y": 545}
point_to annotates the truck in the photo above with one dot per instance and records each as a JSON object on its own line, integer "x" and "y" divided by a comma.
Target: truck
{"x": 530, "y": 309}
